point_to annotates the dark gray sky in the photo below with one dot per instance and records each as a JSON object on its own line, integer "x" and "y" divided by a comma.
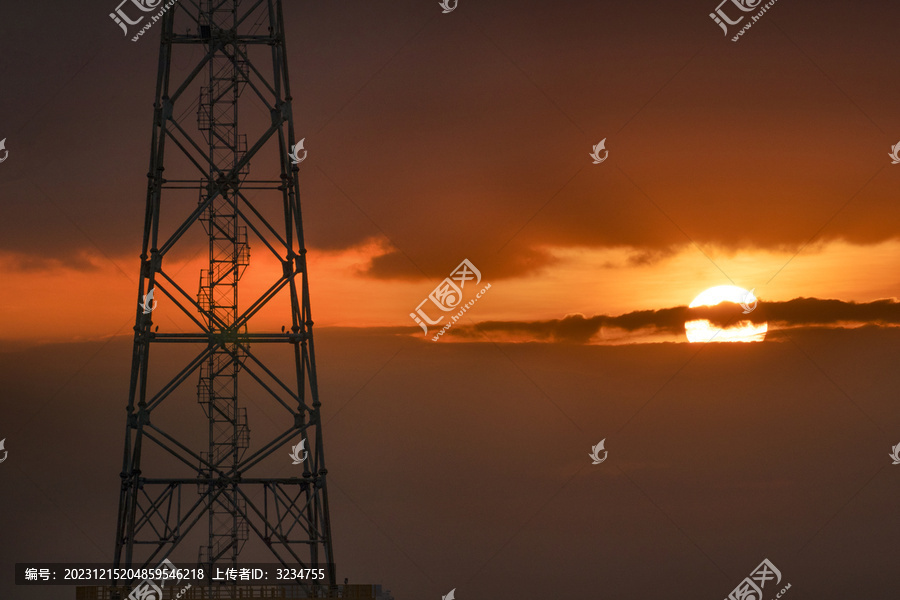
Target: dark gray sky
{"x": 465, "y": 465}
{"x": 456, "y": 130}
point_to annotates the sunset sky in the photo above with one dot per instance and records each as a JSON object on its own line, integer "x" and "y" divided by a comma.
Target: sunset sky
{"x": 434, "y": 138}
{"x": 763, "y": 164}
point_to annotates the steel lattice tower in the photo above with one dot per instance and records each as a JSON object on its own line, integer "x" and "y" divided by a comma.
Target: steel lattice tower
{"x": 219, "y": 490}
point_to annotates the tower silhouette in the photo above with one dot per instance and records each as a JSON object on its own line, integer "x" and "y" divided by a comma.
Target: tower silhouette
{"x": 202, "y": 481}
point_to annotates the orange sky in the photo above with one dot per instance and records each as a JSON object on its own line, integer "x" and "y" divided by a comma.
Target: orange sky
{"x": 98, "y": 303}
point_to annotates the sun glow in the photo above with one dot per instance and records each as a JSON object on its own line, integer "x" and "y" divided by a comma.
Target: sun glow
{"x": 744, "y": 330}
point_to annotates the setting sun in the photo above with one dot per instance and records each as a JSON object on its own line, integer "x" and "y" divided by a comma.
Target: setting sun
{"x": 702, "y": 330}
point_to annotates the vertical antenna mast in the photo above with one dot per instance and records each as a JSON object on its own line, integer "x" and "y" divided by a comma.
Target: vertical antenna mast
{"x": 222, "y": 490}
